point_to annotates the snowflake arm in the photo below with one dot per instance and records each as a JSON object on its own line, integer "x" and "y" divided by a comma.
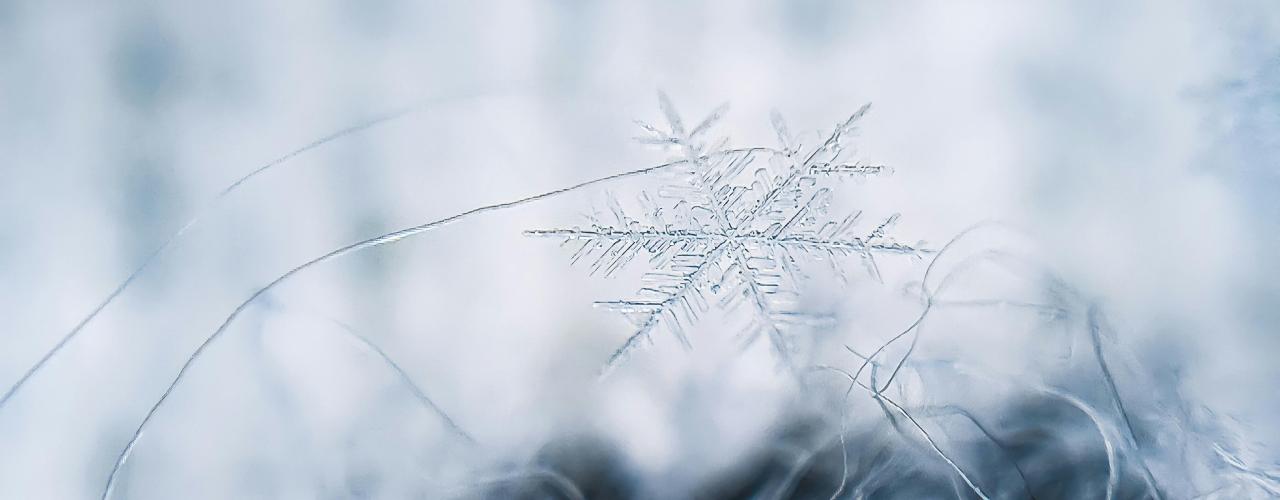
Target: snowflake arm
{"x": 761, "y": 286}
{"x": 675, "y": 295}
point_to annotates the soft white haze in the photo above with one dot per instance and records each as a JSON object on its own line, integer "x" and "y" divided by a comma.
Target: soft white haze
{"x": 1134, "y": 147}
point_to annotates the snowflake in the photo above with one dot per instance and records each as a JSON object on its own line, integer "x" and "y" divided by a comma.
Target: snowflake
{"x": 725, "y": 233}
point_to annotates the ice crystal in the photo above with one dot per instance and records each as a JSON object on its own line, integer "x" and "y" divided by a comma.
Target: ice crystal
{"x": 732, "y": 228}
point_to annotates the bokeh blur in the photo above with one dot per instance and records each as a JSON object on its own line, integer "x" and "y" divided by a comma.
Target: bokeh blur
{"x": 1135, "y": 145}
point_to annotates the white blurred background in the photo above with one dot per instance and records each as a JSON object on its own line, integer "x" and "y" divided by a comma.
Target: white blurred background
{"x": 1136, "y": 144}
